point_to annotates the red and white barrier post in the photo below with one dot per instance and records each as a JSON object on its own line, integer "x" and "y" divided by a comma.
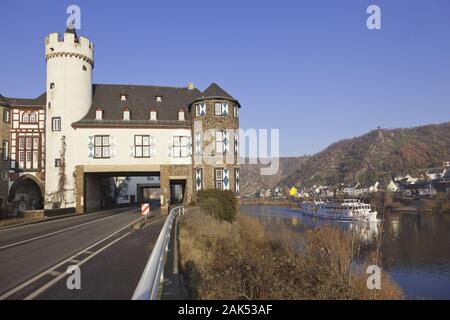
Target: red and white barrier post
{"x": 145, "y": 210}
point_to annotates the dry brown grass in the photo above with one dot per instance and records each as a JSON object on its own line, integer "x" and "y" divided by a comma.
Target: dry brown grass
{"x": 242, "y": 261}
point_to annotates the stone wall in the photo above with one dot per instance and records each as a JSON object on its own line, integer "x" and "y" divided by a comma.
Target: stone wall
{"x": 175, "y": 172}
{"x": 79, "y": 189}
{"x": 210, "y": 121}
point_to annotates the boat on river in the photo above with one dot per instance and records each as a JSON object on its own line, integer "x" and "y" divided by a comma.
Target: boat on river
{"x": 347, "y": 210}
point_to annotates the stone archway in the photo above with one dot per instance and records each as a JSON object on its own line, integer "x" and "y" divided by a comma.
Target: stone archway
{"x": 26, "y": 193}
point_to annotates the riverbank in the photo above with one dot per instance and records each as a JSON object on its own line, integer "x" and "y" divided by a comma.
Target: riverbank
{"x": 387, "y": 202}
{"x": 240, "y": 260}
{"x": 270, "y": 202}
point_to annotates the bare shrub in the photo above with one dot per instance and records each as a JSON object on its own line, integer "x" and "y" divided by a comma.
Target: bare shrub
{"x": 243, "y": 261}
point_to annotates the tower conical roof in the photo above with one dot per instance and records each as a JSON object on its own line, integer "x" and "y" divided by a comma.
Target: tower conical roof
{"x": 214, "y": 90}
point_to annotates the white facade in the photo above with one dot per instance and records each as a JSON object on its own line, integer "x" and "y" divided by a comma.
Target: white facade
{"x": 122, "y": 146}
{"x": 69, "y": 97}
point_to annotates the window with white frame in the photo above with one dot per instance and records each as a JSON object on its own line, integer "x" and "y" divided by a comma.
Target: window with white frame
{"x": 198, "y": 110}
{"x": 236, "y": 111}
{"x": 142, "y": 146}
{"x": 126, "y": 114}
{"x": 33, "y": 117}
{"x": 153, "y": 115}
{"x": 220, "y": 135}
{"x": 180, "y": 147}
{"x": 56, "y": 124}
{"x": 5, "y": 149}
{"x": 218, "y": 108}
{"x": 102, "y": 147}
{"x": 99, "y": 114}
{"x": 26, "y": 117}
{"x": 181, "y": 115}
{"x": 6, "y": 115}
{"x": 28, "y": 152}
{"x": 218, "y": 179}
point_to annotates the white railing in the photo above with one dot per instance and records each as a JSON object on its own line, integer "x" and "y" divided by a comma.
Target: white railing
{"x": 153, "y": 275}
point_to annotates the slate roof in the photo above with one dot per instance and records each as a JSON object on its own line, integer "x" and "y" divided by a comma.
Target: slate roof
{"x": 19, "y": 102}
{"x": 214, "y": 91}
{"x": 141, "y": 99}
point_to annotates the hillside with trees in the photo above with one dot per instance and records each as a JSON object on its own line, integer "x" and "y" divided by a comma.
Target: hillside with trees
{"x": 375, "y": 156}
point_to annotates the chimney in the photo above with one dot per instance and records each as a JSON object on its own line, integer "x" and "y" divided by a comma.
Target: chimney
{"x": 191, "y": 86}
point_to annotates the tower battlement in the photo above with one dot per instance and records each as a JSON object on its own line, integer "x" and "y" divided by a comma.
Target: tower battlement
{"x": 69, "y": 46}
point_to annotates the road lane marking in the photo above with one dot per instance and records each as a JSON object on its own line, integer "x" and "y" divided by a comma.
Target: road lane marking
{"x": 42, "y": 274}
{"x": 79, "y": 264}
{"x": 54, "y": 273}
{"x": 65, "y": 219}
{"x": 60, "y": 231}
{"x": 75, "y": 261}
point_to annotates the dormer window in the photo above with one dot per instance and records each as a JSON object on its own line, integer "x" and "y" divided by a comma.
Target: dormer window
{"x": 158, "y": 98}
{"x": 99, "y": 114}
{"x": 126, "y": 114}
{"x": 123, "y": 97}
{"x": 153, "y": 115}
{"x": 181, "y": 115}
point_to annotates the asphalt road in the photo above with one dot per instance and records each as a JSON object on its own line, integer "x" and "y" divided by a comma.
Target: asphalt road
{"x": 115, "y": 272}
{"x": 30, "y": 250}
{"x": 15, "y": 235}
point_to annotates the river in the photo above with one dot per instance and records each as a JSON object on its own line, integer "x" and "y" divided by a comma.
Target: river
{"x": 415, "y": 247}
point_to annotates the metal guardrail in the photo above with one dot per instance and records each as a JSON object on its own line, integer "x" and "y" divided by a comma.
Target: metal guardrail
{"x": 153, "y": 275}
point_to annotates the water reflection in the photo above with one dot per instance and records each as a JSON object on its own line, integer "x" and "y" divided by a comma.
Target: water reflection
{"x": 273, "y": 217}
{"x": 415, "y": 247}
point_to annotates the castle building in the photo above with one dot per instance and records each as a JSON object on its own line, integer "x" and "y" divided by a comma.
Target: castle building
{"x": 77, "y": 135}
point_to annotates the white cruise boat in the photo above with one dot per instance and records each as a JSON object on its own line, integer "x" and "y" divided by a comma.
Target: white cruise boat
{"x": 348, "y": 210}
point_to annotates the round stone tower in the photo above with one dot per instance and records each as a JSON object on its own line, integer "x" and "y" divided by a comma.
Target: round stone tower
{"x": 215, "y": 121}
{"x": 70, "y": 61}
{"x": 69, "y": 75}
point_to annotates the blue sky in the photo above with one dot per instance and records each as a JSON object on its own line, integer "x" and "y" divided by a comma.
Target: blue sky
{"x": 310, "y": 68}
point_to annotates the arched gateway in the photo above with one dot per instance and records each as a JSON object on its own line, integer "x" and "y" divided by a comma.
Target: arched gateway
{"x": 26, "y": 193}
